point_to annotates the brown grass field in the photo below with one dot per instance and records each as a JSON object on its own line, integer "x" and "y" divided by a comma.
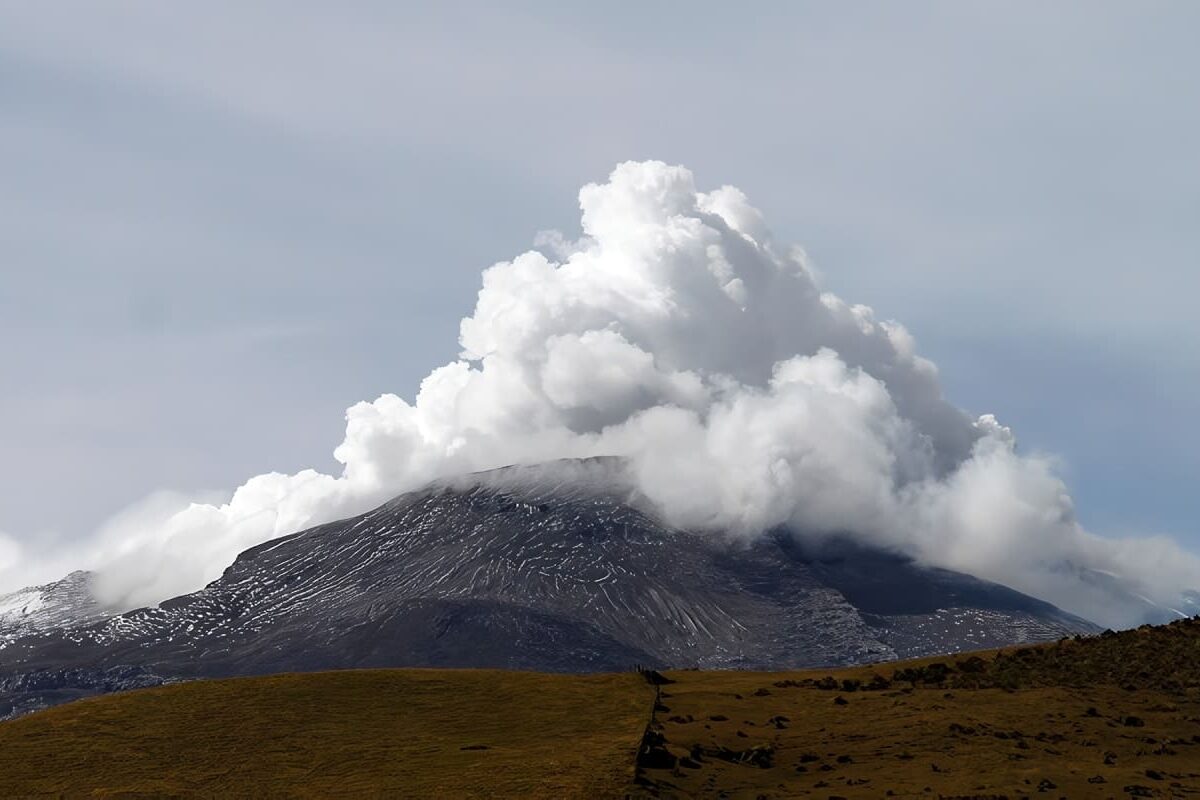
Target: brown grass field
{"x": 370, "y": 733}
{"x": 1109, "y": 716}
{"x": 1116, "y": 715}
{"x": 741, "y": 735}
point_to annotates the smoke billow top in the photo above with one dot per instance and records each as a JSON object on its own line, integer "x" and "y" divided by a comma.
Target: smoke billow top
{"x": 677, "y": 334}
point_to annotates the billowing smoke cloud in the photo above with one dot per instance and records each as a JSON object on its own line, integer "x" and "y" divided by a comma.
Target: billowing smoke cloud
{"x": 677, "y": 334}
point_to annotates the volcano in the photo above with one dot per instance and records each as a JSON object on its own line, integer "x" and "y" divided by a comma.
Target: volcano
{"x": 525, "y": 568}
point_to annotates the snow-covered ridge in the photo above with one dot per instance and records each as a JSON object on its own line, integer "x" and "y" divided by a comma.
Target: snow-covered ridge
{"x": 61, "y": 605}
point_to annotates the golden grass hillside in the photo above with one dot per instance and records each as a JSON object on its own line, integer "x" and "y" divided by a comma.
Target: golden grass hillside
{"x": 371, "y": 733}
{"x": 1116, "y": 715}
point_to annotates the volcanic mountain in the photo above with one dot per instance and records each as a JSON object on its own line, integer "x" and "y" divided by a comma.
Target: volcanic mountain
{"x": 550, "y": 568}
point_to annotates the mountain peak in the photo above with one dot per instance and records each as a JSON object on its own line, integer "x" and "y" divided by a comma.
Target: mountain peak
{"x": 62, "y": 604}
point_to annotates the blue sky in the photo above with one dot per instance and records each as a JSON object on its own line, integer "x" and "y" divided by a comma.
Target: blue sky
{"x": 222, "y": 225}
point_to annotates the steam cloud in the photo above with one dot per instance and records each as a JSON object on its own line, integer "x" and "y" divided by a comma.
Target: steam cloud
{"x": 676, "y": 333}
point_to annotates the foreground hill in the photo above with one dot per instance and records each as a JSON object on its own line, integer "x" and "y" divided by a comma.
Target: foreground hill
{"x": 1106, "y": 716}
{"x": 549, "y": 568}
{"x": 362, "y": 733}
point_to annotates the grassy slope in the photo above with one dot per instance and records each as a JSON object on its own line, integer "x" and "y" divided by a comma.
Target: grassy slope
{"x": 927, "y": 742}
{"x": 371, "y": 733}
{"x": 1109, "y": 716}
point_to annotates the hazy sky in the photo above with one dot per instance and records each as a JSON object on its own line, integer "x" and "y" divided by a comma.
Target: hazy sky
{"x": 222, "y": 224}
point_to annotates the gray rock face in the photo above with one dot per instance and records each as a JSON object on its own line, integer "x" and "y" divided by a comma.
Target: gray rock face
{"x": 512, "y": 569}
